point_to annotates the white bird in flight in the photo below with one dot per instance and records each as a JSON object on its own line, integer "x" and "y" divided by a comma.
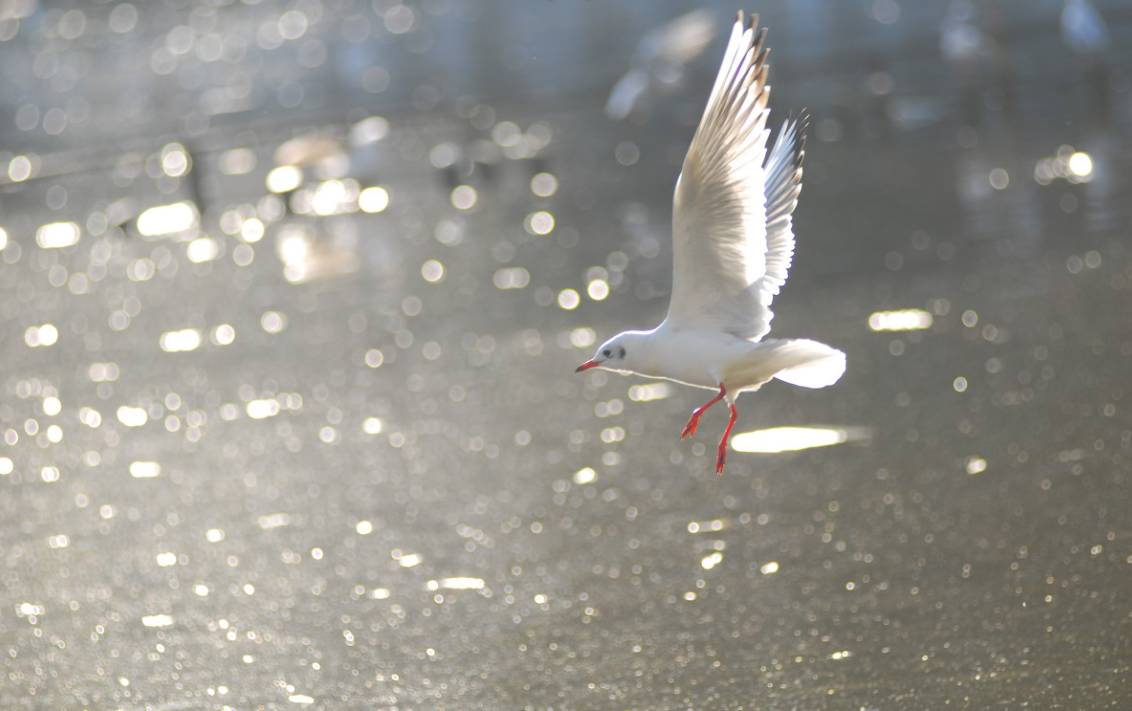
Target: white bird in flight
{"x": 733, "y": 241}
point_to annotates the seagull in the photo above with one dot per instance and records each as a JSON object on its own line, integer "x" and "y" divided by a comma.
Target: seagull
{"x": 733, "y": 241}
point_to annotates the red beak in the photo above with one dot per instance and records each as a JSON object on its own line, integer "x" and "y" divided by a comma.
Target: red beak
{"x": 587, "y": 365}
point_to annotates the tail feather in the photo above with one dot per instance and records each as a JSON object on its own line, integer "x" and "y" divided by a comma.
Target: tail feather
{"x": 809, "y": 364}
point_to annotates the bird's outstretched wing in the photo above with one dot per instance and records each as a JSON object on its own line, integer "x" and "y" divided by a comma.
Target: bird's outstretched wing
{"x": 732, "y": 234}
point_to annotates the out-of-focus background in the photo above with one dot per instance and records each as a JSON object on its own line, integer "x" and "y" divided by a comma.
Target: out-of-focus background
{"x": 291, "y": 294}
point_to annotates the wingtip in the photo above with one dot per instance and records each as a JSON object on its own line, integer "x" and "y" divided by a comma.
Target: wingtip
{"x": 801, "y": 118}
{"x": 804, "y": 123}
{"x": 799, "y": 126}
{"x": 748, "y": 21}
{"x": 804, "y": 119}
{"x": 760, "y": 49}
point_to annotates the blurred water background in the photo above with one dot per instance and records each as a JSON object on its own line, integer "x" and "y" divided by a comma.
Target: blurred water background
{"x": 291, "y": 294}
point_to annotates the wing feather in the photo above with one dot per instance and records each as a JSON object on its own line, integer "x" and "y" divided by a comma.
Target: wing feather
{"x": 732, "y": 233}
{"x": 783, "y": 185}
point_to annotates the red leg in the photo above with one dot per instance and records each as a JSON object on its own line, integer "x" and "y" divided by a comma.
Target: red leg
{"x": 694, "y": 420}
{"x": 721, "y": 454}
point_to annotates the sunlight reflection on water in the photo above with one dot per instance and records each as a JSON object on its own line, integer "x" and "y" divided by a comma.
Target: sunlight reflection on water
{"x": 775, "y": 440}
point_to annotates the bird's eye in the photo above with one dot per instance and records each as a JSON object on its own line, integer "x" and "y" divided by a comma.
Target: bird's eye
{"x": 607, "y": 353}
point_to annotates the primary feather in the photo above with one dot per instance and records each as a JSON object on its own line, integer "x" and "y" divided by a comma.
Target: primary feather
{"x": 733, "y": 237}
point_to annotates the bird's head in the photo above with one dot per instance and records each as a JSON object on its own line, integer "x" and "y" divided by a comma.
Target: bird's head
{"x": 619, "y": 354}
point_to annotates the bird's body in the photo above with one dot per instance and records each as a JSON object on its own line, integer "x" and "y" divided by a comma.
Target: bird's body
{"x": 708, "y": 359}
{"x": 701, "y": 359}
{"x": 733, "y": 243}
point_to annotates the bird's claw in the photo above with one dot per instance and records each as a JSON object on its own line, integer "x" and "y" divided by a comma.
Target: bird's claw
{"x": 690, "y": 427}
{"x": 720, "y": 459}
{"x": 721, "y": 453}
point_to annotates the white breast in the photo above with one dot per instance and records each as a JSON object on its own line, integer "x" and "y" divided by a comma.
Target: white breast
{"x": 697, "y": 358}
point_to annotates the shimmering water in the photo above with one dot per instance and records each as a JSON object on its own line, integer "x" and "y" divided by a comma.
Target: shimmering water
{"x": 291, "y": 296}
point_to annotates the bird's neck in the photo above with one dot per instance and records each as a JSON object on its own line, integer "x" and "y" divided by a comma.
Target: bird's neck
{"x": 652, "y": 358}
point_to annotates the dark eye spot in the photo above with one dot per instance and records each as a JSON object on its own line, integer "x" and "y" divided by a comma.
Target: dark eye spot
{"x": 606, "y": 353}
{"x": 621, "y": 354}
